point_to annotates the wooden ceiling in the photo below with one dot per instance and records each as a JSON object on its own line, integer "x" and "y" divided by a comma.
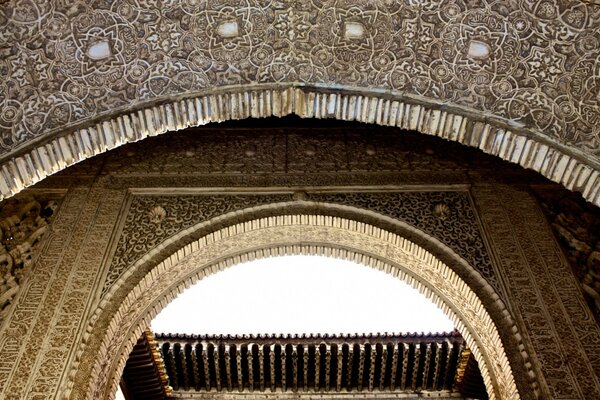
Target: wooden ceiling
{"x": 184, "y": 366}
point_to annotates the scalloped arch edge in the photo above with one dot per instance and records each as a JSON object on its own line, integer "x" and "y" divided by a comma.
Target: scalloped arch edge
{"x": 492, "y": 135}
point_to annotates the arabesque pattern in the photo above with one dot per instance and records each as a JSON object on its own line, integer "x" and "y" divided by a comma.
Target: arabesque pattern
{"x": 532, "y": 64}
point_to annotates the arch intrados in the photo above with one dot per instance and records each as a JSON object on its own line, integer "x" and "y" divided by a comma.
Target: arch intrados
{"x": 315, "y": 237}
{"x": 492, "y": 134}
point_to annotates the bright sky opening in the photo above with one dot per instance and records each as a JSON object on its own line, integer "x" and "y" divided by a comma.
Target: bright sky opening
{"x": 300, "y": 294}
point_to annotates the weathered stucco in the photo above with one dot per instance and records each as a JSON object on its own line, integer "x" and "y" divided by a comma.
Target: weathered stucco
{"x": 518, "y": 79}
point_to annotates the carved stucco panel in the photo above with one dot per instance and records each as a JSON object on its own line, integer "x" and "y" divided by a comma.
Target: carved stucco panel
{"x": 41, "y": 333}
{"x": 519, "y": 79}
{"x": 445, "y": 215}
{"x": 551, "y": 308}
{"x": 143, "y": 230}
{"x": 26, "y": 325}
{"x": 457, "y": 229}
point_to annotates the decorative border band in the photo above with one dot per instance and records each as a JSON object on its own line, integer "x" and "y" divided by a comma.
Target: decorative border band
{"x": 492, "y": 135}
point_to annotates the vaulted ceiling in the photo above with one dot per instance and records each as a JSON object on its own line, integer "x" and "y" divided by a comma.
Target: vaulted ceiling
{"x": 519, "y": 79}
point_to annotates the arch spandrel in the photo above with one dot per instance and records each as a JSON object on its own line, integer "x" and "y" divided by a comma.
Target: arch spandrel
{"x": 300, "y": 234}
{"x": 518, "y": 80}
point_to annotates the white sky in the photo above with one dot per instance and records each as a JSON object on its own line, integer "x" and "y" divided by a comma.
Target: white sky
{"x": 300, "y": 294}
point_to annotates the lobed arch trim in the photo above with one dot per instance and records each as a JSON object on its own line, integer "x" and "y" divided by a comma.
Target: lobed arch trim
{"x": 496, "y": 136}
{"x": 301, "y": 234}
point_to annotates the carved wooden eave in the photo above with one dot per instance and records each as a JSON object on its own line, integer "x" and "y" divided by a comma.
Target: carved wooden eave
{"x": 397, "y": 366}
{"x": 146, "y": 377}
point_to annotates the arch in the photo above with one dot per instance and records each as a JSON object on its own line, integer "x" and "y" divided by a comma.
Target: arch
{"x": 298, "y": 234}
{"x": 494, "y": 135}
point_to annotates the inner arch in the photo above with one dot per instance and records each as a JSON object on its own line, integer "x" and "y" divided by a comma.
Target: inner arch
{"x": 304, "y": 234}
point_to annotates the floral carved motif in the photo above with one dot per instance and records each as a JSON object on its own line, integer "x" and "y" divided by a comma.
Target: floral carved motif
{"x": 153, "y": 219}
{"x": 458, "y": 229}
{"x": 146, "y": 226}
{"x": 534, "y": 63}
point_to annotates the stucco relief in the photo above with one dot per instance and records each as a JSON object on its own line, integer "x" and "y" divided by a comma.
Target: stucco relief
{"x": 532, "y": 64}
{"x": 458, "y": 229}
{"x": 577, "y": 226}
{"x": 144, "y": 230}
{"x": 23, "y": 223}
{"x": 37, "y": 338}
{"x": 539, "y": 279}
{"x": 289, "y": 234}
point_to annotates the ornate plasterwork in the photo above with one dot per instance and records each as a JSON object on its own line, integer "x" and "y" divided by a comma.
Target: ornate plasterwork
{"x": 23, "y": 224}
{"x": 301, "y": 234}
{"x": 539, "y": 280}
{"x": 39, "y": 334}
{"x": 517, "y": 79}
{"x": 577, "y": 226}
{"x": 455, "y": 226}
{"x": 303, "y": 154}
{"x": 142, "y": 232}
{"x": 458, "y": 230}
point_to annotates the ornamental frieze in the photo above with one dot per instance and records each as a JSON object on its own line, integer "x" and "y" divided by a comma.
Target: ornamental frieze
{"x": 448, "y": 216}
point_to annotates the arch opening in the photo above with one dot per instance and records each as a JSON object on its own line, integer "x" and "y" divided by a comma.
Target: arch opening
{"x": 300, "y": 295}
{"x": 312, "y": 235}
{"x": 311, "y": 313}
